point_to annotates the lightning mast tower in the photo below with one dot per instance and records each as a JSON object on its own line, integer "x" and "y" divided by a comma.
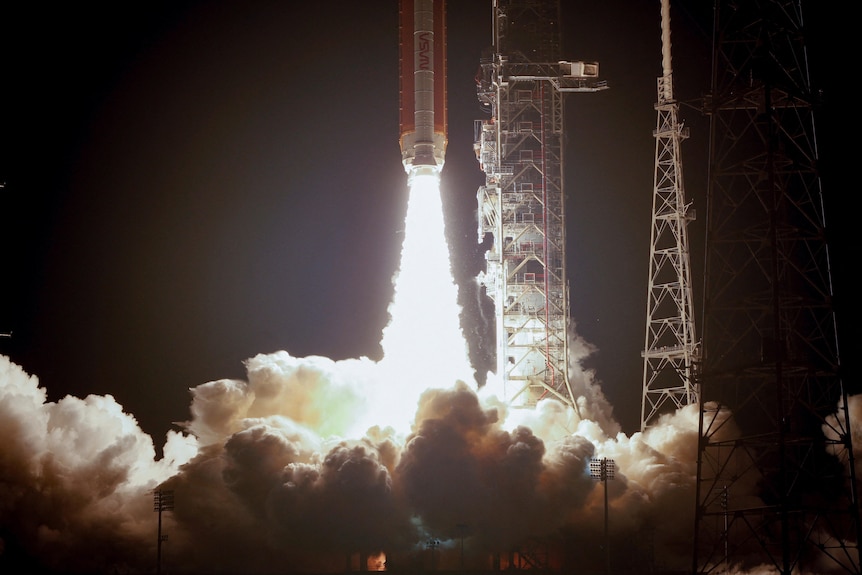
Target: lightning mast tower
{"x": 776, "y": 480}
{"x": 670, "y": 349}
{"x": 522, "y": 83}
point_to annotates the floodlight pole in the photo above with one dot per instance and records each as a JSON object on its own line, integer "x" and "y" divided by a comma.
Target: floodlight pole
{"x": 603, "y": 469}
{"x": 162, "y": 501}
{"x": 433, "y": 544}
{"x": 462, "y": 530}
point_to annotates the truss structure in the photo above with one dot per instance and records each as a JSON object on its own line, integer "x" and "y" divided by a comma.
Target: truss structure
{"x": 776, "y": 483}
{"x": 522, "y": 85}
{"x": 670, "y": 348}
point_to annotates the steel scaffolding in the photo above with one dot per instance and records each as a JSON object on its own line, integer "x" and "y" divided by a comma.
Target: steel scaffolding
{"x": 670, "y": 347}
{"x": 522, "y": 84}
{"x": 776, "y": 484}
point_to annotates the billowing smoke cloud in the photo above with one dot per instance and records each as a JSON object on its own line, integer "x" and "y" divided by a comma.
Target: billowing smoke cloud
{"x": 267, "y": 478}
{"x": 74, "y": 479}
{"x": 270, "y": 475}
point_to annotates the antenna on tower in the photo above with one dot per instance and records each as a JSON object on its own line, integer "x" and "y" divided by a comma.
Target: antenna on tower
{"x": 670, "y": 349}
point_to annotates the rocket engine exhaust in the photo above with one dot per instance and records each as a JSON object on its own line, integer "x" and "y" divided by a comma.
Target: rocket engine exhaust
{"x": 423, "y": 112}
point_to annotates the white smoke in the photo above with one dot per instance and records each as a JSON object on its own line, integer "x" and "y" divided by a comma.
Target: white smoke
{"x": 76, "y": 477}
{"x": 272, "y": 475}
{"x": 265, "y": 481}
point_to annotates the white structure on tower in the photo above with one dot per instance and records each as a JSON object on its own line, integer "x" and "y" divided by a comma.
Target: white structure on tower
{"x": 522, "y": 83}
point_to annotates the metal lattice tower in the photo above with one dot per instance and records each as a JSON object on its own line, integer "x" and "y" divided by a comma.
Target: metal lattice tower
{"x": 521, "y": 206}
{"x": 670, "y": 347}
{"x": 776, "y": 484}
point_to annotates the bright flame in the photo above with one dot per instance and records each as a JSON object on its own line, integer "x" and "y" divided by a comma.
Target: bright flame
{"x": 376, "y": 562}
{"x": 423, "y": 345}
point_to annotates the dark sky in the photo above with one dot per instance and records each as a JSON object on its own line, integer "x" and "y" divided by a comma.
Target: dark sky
{"x": 189, "y": 184}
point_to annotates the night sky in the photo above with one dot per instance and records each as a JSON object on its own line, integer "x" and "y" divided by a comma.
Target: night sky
{"x": 189, "y": 184}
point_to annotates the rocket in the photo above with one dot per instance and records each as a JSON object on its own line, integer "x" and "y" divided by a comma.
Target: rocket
{"x": 423, "y": 85}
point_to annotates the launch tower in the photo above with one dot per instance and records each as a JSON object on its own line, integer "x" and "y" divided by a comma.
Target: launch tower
{"x": 670, "y": 348}
{"x": 522, "y": 83}
{"x": 776, "y": 483}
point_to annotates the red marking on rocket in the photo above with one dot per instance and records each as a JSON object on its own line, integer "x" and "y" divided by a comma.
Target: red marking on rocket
{"x": 423, "y": 83}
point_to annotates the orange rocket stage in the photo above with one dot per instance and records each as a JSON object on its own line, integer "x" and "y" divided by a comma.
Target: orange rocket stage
{"x": 423, "y": 84}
